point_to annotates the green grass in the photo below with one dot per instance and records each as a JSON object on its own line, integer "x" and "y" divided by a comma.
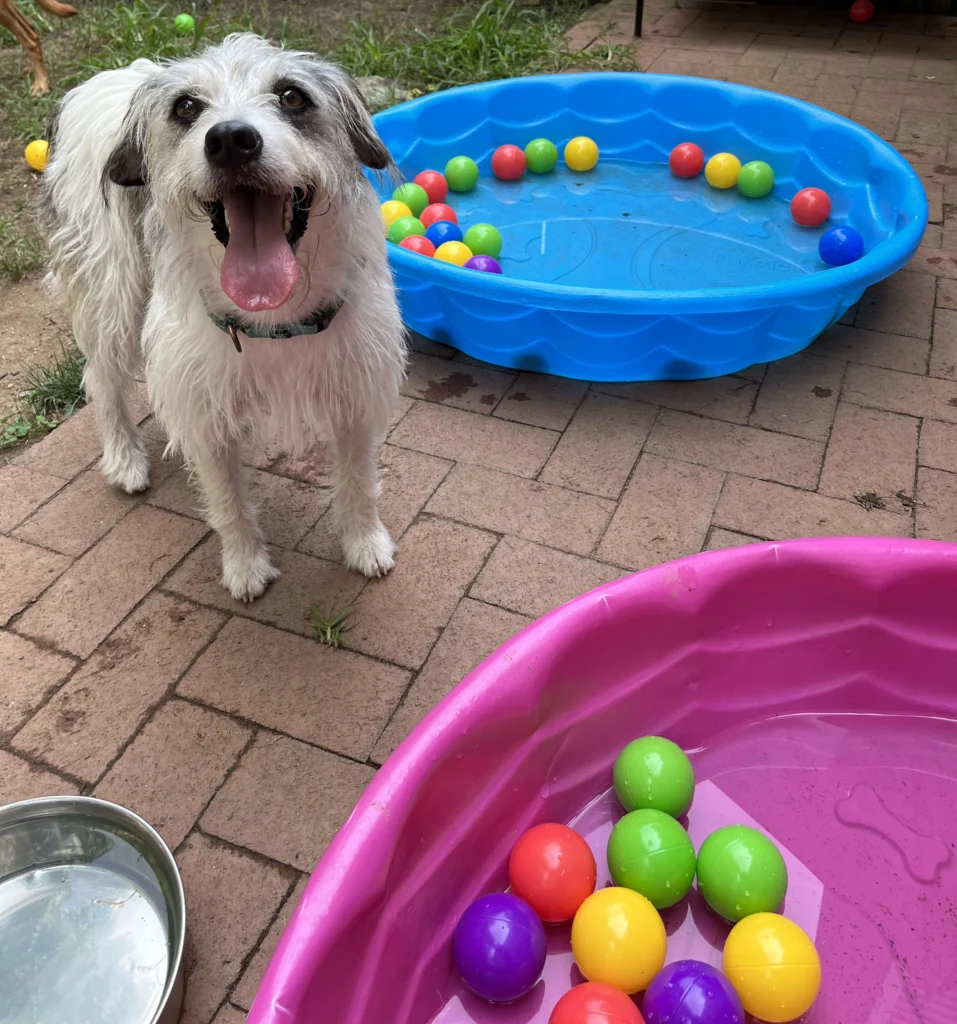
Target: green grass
{"x": 114, "y": 34}
{"x": 20, "y": 251}
{"x": 110, "y": 34}
{"x": 56, "y": 391}
{"x": 330, "y": 628}
{"x": 498, "y": 40}
{"x": 53, "y": 394}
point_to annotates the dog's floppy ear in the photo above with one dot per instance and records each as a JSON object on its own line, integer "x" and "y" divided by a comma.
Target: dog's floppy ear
{"x": 126, "y": 165}
{"x": 370, "y": 150}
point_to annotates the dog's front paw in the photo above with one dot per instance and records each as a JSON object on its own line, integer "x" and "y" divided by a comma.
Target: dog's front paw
{"x": 372, "y": 554}
{"x": 130, "y": 472}
{"x": 247, "y": 578}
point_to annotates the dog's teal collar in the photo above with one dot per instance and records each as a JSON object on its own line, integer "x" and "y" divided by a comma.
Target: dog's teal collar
{"x": 315, "y": 323}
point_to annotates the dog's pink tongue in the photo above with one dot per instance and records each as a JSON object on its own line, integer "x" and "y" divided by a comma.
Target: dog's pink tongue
{"x": 260, "y": 270}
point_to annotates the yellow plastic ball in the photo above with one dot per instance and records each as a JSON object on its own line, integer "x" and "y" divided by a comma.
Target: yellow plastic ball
{"x": 36, "y": 154}
{"x": 722, "y": 170}
{"x": 392, "y": 211}
{"x": 581, "y": 154}
{"x": 773, "y": 967}
{"x": 454, "y": 252}
{"x": 619, "y": 938}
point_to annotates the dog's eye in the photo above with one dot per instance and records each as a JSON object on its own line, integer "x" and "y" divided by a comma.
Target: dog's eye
{"x": 186, "y": 109}
{"x": 292, "y": 98}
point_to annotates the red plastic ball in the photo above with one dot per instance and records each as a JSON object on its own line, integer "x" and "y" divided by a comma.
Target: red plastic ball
{"x": 861, "y": 11}
{"x": 419, "y": 244}
{"x": 595, "y": 1003}
{"x": 508, "y": 163}
{"x": 553, "y": 869}
{"x": 434, "y": 183}
{"x": 686, "y": 160}
{"x": 438, "y": 211}
{"x": 811, "y": 207}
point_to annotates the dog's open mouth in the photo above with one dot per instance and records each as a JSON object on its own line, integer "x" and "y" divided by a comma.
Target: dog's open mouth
{"x": 260, "y": 232}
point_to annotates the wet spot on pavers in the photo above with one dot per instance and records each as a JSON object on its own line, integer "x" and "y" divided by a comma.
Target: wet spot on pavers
{"x": 69, "y": 718}
{"x": 455, "y": 385}
{"x": 119, "y": 648}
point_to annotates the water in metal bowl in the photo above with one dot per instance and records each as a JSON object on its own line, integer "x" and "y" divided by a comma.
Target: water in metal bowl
{"x": 92, "y": 917}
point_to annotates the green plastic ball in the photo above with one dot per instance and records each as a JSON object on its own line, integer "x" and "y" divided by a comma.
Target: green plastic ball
{"x": 184, "y": 24}
{"x": 461, "y": 173}
{"x": 541, "y": 156}
{"x": 484, "y": 240}
{"x": 741, "y": 872}
{"x": 755, "y": 179}
{"x": 403, "y": 227}
{"x": 654, "y": 772}
{"x": 414, "y": 196}
{"x": 651, "y": 853}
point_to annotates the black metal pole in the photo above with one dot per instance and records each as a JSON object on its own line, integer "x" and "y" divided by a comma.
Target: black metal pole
{"x": 639, "y": 11}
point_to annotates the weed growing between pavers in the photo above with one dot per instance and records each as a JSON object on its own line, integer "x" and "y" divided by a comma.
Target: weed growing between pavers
{"x": 330, "y": 628}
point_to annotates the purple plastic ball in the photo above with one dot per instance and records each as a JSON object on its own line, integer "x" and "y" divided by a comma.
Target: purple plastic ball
{"x": 499, "y": 947}
{"x": 691, "y": 992}
{"x": 487, "y": 263}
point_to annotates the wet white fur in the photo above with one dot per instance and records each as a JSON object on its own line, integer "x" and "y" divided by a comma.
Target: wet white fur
{"x": 140, "y": 266}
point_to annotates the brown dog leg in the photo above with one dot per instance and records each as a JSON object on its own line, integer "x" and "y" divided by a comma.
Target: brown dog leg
{"x": 26, "y": 35}
{"x": 54, "y": 7}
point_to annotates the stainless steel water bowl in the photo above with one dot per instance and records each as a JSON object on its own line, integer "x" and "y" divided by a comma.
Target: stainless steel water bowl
{"x": 92, "y": 916}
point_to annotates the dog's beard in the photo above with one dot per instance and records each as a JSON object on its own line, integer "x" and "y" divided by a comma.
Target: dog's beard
{"x": 260, "y": 232}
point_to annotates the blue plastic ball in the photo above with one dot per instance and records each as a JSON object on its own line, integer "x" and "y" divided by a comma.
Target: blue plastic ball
{"x": 841, "y": 246}
{"x": 443, "y": 231}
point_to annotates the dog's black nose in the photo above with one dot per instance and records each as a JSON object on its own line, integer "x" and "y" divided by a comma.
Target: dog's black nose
{"x": 232, "y": 143}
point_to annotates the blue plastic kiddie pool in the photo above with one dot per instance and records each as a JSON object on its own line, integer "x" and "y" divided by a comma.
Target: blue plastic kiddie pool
{"x": 626, "y": 272}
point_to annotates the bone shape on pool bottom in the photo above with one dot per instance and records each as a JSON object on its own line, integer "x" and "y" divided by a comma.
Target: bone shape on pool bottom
{"x": 924, "y": 856}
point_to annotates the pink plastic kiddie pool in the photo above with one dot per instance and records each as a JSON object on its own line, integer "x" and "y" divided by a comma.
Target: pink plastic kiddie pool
{"x": 814, "y": 683}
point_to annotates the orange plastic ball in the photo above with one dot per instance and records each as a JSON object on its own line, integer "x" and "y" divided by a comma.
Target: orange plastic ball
{"x": 508, "y": 163}
{"x": 811, "y": 207}
{"x": 419, "y": 244}
{"x": 595, "y": 1003}
{"x": 861, "y": 11}
{"x": 435, "y": 185}
{"x": 438, "y": 211}
{"x": 686, "y": 160}
{"x": 553, "y": 869}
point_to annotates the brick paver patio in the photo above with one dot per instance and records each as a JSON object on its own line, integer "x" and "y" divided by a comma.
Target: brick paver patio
{"x": 128, "y": 673}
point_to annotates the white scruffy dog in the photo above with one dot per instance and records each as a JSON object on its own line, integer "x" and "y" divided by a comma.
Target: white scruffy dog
{"x": 212, "y": 216}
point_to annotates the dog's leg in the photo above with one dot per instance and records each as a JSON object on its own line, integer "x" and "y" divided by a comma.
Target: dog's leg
{"x": 55, "y": 7}
{"x": 124, "y": 463}
{"x": 26, "y": 35}
{"x": 366, "y": 543}
{"x": 247, "y": 567}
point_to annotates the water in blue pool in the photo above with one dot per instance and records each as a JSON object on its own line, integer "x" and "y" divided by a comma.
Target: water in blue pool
{"x": 630, "y": 225}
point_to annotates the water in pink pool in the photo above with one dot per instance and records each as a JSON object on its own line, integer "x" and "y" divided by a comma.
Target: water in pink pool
{"x": 863, "y": 808}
